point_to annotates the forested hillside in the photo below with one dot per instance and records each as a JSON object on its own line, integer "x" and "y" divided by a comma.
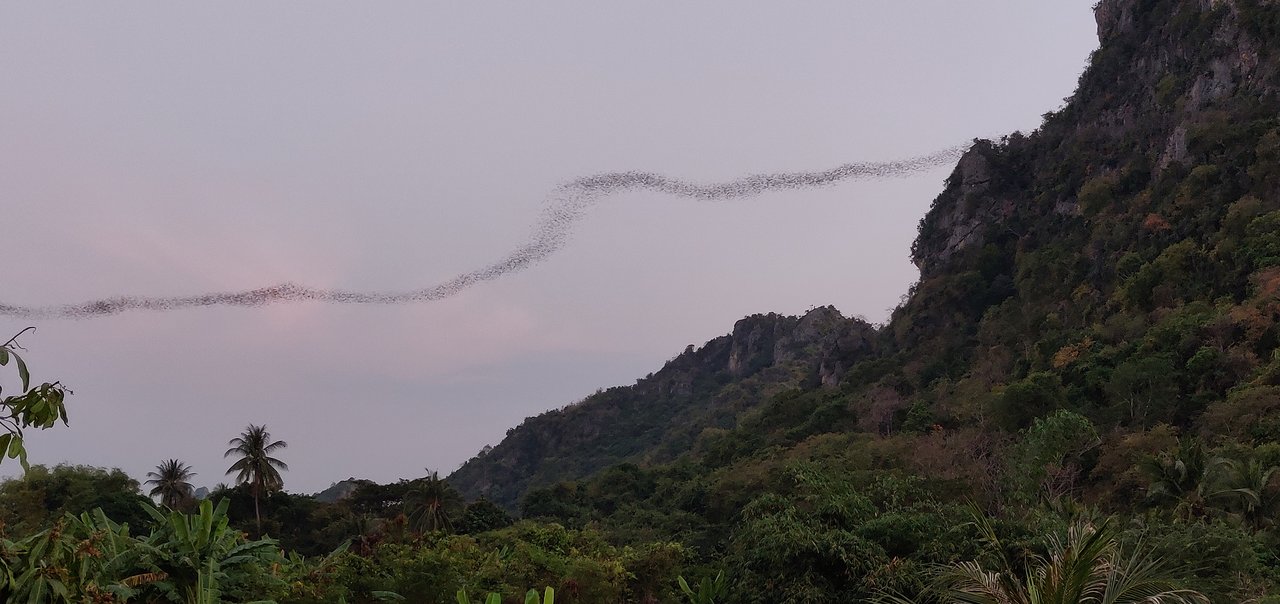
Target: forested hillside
{"x": 702, "y": 391}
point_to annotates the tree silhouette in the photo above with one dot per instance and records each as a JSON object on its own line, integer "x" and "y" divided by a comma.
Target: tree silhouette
{"x": 255, "y": 466}
{"x": 172, "y": 480}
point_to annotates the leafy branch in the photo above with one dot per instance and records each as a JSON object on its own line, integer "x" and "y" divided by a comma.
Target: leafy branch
{"x": 40, "y": 407}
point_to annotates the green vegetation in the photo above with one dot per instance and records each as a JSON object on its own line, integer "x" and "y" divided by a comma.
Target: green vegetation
{"x": 709, "y": 590}
{"x": 40, "y": 406}
{"x": 1078, "y": 402}
{"x": 1087, "y": 565}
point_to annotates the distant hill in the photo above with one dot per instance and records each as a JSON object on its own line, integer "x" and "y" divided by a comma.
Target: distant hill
{"x": 663, "y": 414}
{"x": 339, "y": 490}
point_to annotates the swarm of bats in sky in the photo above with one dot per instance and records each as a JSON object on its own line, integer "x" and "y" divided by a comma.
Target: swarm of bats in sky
{"x": 565, "y": 206}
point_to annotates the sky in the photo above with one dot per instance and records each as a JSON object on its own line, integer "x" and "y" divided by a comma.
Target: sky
{"x": 160, "y": 148}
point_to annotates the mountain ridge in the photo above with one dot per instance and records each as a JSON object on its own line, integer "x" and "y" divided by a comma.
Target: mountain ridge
{"x": 764, "y": 354}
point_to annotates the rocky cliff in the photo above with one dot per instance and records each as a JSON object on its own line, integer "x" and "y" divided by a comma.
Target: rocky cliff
{"x": 1160, "y": 78}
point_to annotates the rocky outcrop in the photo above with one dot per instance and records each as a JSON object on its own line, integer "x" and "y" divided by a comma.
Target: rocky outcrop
{"x": 823, "y": 333}
{"x": 1114, "y": 18}
{"x": 962, "y": 214}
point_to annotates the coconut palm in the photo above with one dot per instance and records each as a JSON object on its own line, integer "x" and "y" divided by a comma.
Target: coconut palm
{"x": 254, "y": 464}
{"x": 428, "y": 502}
{"x": 1194, "y": 481}
{"x": 1254, "y": 477}
{"x": 172, "y": 480}
{"x": 1084, "y": 567}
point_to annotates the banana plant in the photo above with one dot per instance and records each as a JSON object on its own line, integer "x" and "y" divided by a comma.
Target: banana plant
{"x": 199, "y": 553}
{"x": 81, "y": 557}
{"x": 530, "y": 597}
{"x": 709, "y": 591}
{"x": 45, "y": 576}
{"x": 493, "y": 598}
{"x": 90, "y": 558}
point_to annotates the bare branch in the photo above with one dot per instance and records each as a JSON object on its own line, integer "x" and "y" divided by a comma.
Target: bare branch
{"x": 13, "y": 342}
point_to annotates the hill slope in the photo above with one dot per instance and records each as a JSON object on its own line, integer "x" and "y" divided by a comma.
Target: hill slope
{"x": 661, "y": 416}
{"x": 1121, "y": 263}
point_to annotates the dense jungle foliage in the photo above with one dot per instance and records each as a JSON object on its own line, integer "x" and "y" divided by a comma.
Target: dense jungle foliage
{"x": 1079, "y": 401}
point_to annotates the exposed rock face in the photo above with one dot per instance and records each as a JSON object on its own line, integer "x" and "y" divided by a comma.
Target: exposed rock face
{"x": 1114, "y": 17}
{"x": 1175, "y": 147}
{"x": 752, "y": 344}
{"x": 823, "y": 333}
{"x": 964, "y": 212}
{"x": 1162, "y": 73}
{"x": 966, "y": 218}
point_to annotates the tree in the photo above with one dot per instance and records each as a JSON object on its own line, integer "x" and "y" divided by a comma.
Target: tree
{"x": 807, "y": 543}
{"x": 1046, "y": 463}
{"x": 1261, "y": 246}
{"x": 428, "y": 503}
{"x": 377, "y": 500}
{"x": 484, "y": 515}
{"x": 40, "y": 407}
{"x": 255, "y": 466}
{"x": 1023, "y": 401}
{"x": 1141, "y": 382}
{"x": 172, "y": 480}
{"x": 40, "y": 497}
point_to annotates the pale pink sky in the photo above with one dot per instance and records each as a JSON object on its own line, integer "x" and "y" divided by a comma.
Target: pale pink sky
{"x": 165, "y": 149}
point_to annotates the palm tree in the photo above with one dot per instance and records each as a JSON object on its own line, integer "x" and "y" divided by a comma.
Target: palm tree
{"x": 1195, "y": 481}
{"x": 255, "y": 466}
{"x": 172, "y": 480}
{"x": 1254, "y": 477}
{"x": 1085, "y": 567}
{"x": 428, "y": 502}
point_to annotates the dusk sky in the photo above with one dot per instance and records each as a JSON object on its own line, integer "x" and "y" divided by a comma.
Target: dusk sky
{"x": 169, "y": 149}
